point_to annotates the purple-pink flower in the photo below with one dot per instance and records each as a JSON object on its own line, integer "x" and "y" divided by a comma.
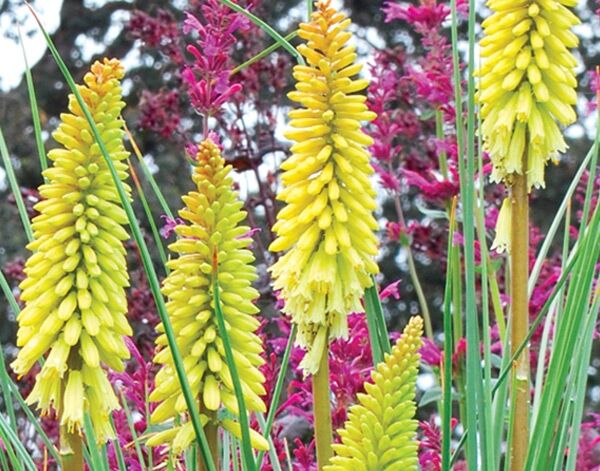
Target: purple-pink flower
{"x": 169, "y": 225}
{"x": 390, "y": 290}
{"x": 207, "y": 78}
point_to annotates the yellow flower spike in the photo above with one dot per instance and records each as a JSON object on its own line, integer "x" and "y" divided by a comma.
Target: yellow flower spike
{"x": 525, "y": 49}
{"x": 78, "y": 267}
{"x": 213, "y": 218}
{"x": 380, "y": 431}
{"x": 326, "y": 226}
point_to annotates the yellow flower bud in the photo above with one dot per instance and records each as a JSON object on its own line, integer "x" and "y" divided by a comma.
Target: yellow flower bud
{"x": 212, "y": 234}
{"x": 537, "y": 34}
{"x": 66, "y": 277}
{"x": 326, "y": 227}
{"x": 380, "y": 430}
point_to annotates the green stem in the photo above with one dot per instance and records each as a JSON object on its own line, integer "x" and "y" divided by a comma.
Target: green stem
{"x": 413, "y": 273}
{"x": 71, "y": 450}
{"x": 439, "y": 133}
{"x": 447, "y": 366}
{"x": 519, "y": 257}
{"x": 322, "y": 411}
{"x": 277, "y": 392}
{"x": 262, "y": 54}
{"x": 211, "y": 430}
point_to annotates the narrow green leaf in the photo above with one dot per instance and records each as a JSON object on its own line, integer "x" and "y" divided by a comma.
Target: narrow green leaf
{"x": 448, "y": 347}
{"x": 96, "y": 461}
{"x": 589, "y": 191}
{"x": 15, "y": 463}
{"x": 579, "y": 386}
{"x": 373, "y": 329}
{"x": 3, "y": 459}
{"x": 272, "y": 453}
{"x": 466, "y": 161}
{"x": 576, "y": 255}
{"x": 9, "y": 436}
{"x": 148, "y": 175}
{"x": 34, "y": 421}
{"x": 134, "y": 436}
{"x": 247, "y": 455}
{"x": 267, "y": 29}
{"x": 569, "y": 330}
{"x": 5, "y": 379}
{"x": 14, "y": 186}
{"x": 35, "y": 115}
{"x": 375, "y": 310}
{"x": 285, "y": 363}
{"x": 491, "y": 453}
{"x": 158, "y": 241}
{"x": 263, "y": 54}
{"x": 558, "y": 216}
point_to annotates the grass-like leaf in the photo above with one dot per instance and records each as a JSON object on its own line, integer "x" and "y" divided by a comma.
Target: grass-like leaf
{"x": 14, "y": 187}
{"x": 267, "y": 29}
{"x": 148, "y": 175}
{"x": 247, "y": 455}
{"x": 150, "y": 218}
{"x": 285, "y": 361}
{"x": 19, "y": 457}
{"x": 35, "y": 115}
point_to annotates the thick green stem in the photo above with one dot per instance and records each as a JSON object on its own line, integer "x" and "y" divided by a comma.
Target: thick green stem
{"x": 322, "y": 411}
{"x": 519, "y": 258}
{"x": 71, "y": 450}
{"x": 211, "y": 430}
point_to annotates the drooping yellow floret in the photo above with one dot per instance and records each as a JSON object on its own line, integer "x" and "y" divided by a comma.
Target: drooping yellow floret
{"x": 503, "y": 227}
{"x": 213, "y": 214}
{"x": 74, "y": 294}
{"x": 527, "y": 84}
{"x": 379, "y": 434}
{"x": 327, "y": 224}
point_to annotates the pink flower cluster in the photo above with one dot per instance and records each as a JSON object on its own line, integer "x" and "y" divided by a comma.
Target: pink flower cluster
{"x": 208, "y": 78}
{"x": 159, "y": 112}
{"x": 160, "y": 32}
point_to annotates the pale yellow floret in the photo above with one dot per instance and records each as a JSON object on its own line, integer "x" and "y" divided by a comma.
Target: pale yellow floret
{"x": 526, "y": 85}
{"x": 526, "y": 65}
{"x": 502, "y": 239}
{"x": 74, "y": 292}
{"x": 326, "y": 227}
{"x": 212, "y": 233}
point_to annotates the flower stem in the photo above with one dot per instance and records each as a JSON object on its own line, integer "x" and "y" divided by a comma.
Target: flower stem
{"x": 412, "y": 269}
{"x": 71, "y": 443}
{"x": 519, "y": 258}
{"x": 211, "y": 430}
{"x": 71, "y": 450}
{"x": 322, "y": 411}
